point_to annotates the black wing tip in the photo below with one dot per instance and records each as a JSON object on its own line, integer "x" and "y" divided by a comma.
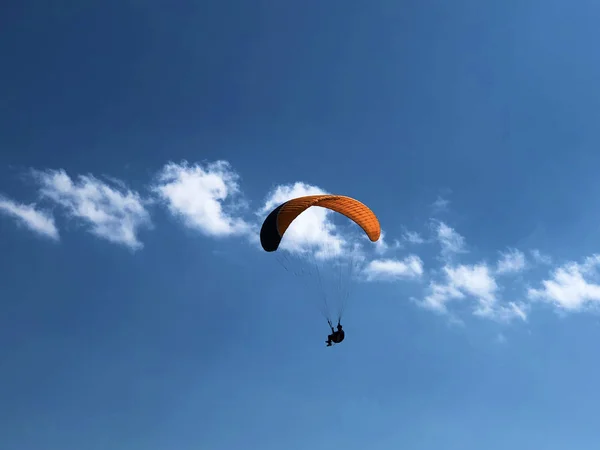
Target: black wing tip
{"x": 269, "y": 234}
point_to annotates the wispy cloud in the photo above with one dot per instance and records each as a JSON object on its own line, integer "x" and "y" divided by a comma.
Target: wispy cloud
{"x": 40, "y": 222}
{"x": 112, "y": 213}
{"x": 382, "y": 246}
{"x": 413, "y": 237}
{"x": 449, "y": 239}
{"x": 503, "y": 312}
{"x": 474, "y": 281}
{"x": 511, "y": 261}
{"x": 197, "y": 194}
{"x": 540, "y": 258}
{"x": 571, "y": 287}
{"x": 439, "y": 295}
{"x": 441, "y": 204}
{"x": 410, "y": 267}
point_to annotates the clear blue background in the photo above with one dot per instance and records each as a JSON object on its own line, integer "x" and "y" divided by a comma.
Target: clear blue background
{"x": 190, "y": 343}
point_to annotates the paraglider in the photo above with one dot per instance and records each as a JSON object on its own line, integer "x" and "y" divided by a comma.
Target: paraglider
{"x": 336, "y": 336}
{"x": 279, "y": 220}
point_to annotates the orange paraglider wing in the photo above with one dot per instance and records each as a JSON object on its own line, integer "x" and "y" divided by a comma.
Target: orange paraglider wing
{"x": 278, "y": 220}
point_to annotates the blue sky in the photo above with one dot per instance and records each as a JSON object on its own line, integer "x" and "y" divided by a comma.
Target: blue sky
{"x": 140, "y": 143}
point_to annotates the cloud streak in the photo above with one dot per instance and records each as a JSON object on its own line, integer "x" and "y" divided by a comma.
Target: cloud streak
{"x": 112, "y": 213}
{"x": 540, "y": 258}
{"x": 413, "y": 237}
{"x": 40, "y": 222}
{"x": 410, "y": 267}
{"x": 472, "y": 281}
{"x": 451, "y": 242}
{"x": 441, "y": 204}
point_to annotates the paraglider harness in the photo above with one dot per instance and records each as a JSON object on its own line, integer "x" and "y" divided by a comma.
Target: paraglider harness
{"x": 336, "y": 336}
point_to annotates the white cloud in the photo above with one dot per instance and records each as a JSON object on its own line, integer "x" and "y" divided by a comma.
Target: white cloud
{"x": 572, "y": 287}
{"x": 114, "y": 214}
{"x": 450, "y": 241}
{"x": 511, "y": 261}
{"x": 197, "y": 194}
{"x": 311, "y": 231}
{"x": 503, "y": 312}
{"x": 474, "y": 281}
{"x": 413, "y": 237}
{"x": 382, "y": 246}
{"x": 440, "y": 204}
{"x": 439, "y": 295}
{"x": 540, "y": 258}
{"x": 392, "y": 269}
{"x": 37, "y": 221}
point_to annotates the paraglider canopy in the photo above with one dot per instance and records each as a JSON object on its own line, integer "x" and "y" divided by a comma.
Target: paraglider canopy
{"x": 278, "y": 221}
